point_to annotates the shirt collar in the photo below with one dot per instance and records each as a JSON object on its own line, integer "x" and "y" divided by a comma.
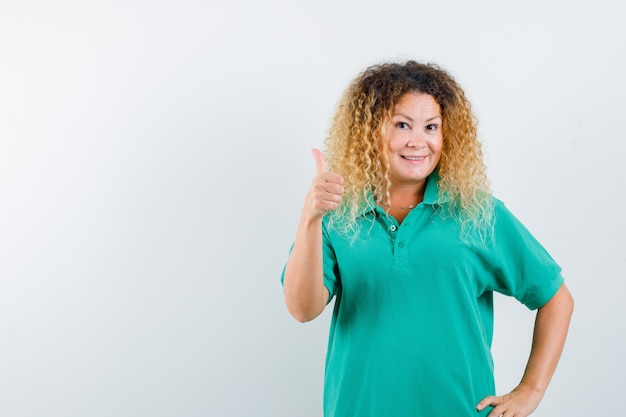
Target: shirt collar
{"x": 431, "y": 195}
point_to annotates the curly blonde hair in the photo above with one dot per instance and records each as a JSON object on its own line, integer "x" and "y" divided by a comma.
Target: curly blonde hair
{"x": 356, "y": 147}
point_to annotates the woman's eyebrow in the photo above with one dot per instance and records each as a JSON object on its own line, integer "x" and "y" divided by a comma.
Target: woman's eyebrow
{"x": 410, "y": 119}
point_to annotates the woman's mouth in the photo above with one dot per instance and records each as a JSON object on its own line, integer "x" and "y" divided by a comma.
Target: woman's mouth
{"x": 413, "y": 158}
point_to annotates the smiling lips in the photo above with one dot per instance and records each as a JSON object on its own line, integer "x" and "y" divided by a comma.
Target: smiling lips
{"x": 414, "y": 158}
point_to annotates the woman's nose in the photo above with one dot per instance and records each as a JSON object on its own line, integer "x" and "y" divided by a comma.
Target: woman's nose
{"x": 416, "y": 141}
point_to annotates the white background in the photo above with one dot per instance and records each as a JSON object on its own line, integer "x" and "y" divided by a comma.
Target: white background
{"x": 153, "y": 160}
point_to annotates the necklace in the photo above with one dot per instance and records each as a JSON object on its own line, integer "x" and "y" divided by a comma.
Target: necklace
{"x": 398, "y": 207}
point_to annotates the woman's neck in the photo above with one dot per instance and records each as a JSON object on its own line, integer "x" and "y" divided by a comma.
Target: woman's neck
{"x": 403, "y": 199}
{"x": 404, "y": 195}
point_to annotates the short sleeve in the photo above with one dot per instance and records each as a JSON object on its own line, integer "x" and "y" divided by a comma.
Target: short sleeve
{"x": 331, "y": 281}
{"x": 520, "y": 266}
{"x": 331, "y": 270}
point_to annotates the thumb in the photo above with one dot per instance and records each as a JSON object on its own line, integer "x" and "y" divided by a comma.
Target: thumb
{"x": 320, "y": 161}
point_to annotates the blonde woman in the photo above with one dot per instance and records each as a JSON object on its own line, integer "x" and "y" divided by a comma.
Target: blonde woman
{"x": 400, "y": 228}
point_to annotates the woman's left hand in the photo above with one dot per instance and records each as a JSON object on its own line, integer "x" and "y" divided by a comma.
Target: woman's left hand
{"x": 518, "y": 403}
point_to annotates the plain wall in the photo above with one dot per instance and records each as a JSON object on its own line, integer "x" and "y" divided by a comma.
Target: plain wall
{"x": 154, "y": 157}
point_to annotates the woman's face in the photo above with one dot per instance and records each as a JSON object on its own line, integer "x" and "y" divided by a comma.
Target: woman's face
{"x": 415, "y": 138}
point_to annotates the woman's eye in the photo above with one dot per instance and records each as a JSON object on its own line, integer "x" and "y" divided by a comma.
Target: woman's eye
{"x": 402, "y": 125}
{"x": 431, "y": 127}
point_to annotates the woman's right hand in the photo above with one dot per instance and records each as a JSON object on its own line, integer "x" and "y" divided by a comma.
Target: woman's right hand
{"x": 326, "y": 190}
{"x": 305, "y": 293}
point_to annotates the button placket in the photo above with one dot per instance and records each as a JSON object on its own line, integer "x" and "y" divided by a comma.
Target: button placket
{"x": 401, "y": 258}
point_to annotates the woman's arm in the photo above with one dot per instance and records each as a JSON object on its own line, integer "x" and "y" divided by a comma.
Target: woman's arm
{"x": 303, "y": 283}
{"x": 305, "y": 293}
{"x": 551, "y": 327}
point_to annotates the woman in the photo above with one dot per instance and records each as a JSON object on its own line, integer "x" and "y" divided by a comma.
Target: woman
{"x": 400, "y": 228}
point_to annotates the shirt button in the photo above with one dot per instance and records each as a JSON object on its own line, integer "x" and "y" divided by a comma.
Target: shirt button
{"x": 393, "y": 228}
{"x": 400, "y": 244}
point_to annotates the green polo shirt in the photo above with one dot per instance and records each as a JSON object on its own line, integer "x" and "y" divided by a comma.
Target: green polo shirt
{"x": 412, "y": 325}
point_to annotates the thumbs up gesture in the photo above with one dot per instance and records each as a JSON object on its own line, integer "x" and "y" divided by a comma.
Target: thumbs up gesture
{"x": 325, "y": 192}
